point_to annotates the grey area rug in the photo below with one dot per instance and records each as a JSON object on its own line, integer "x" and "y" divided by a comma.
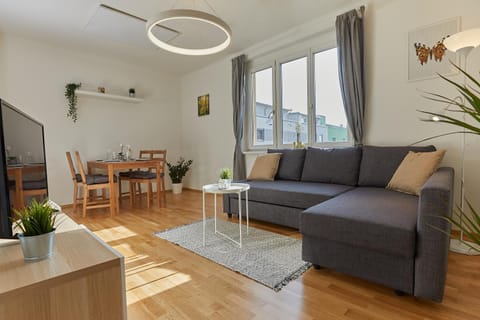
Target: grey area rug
{"x": 269, "y": 258}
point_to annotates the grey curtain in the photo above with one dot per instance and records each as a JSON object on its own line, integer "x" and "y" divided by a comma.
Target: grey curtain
{"x": 350, "y": 46}
{"x": 238, "y": 99}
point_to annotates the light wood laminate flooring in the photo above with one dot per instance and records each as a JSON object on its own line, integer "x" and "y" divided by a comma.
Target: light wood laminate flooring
{"x": 165, "y": 281}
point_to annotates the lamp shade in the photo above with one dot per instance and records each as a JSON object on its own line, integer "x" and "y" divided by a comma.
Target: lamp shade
{"x": 184, "y": 14}
{"x": 465, "y": 39}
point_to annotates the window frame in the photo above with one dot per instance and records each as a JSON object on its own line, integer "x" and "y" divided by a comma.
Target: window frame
{"x": 329, "y": 144}
{"x": 250, "y": 114}
{"x": 275, "y": 61}
{"x": 279, "y": 92}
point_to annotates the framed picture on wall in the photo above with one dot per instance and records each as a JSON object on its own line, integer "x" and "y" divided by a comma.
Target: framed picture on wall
{"x": 427, "y": 55}
{"x": 203, "y": 105}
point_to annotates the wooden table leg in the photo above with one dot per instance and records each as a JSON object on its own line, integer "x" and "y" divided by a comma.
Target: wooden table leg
{"x": 91, "y": 193}
{"x": 113, "y": 191}
{"x": 158, "y": 185}
{"x": 19, "y": 202}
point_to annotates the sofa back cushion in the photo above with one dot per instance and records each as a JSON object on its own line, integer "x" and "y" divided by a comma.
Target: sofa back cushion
{"x": 291, "y": 163}
{"x": 339, "y": 166}
{"x": 380, "y": 163}
{"x": 265, "y": 167}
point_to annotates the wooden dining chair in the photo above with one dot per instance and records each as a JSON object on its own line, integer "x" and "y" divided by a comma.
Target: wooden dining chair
{"x": 34, "y": 188}
{"x": 138, "y": 177}
{"x": 77, "y": 182}
{"x": 92, "y": 183}
{"x": 24, "y": 187}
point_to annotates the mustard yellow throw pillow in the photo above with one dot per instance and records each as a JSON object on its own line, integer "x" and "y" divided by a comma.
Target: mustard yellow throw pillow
{"x": 415, "y": 170}
{"x": 265, "y": 167}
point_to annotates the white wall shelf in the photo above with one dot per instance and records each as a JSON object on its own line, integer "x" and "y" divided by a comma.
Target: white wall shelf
{"x": 108, "y": 96}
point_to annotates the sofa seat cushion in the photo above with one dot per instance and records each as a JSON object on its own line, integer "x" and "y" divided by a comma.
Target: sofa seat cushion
{"x": 293, "y": 194}
{"x": 372, "y": 218}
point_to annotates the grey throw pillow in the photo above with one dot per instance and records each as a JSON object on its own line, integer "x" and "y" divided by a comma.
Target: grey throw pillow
{"x": 291, "y": 163}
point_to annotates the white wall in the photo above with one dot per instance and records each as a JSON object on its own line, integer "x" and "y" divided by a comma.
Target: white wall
{"x": 208, "y": 140}
{"x": 392, "y": 101}
{"x": 33, "y": 78}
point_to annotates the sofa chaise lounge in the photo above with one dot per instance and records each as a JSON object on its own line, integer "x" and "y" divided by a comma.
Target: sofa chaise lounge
{"x": 351, "y": 223}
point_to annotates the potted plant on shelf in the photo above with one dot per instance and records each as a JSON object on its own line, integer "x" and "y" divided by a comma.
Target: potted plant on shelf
{"x": 225, "y": 178}
{"x": 467, "y": 105}
{"x": 37, "y": 224}
{"x": 72, "y": 100}
{"x": 177, "y": 172}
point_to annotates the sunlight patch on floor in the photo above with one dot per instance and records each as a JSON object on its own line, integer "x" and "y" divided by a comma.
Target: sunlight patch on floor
{"x": 115, "y": 233}
{"x": 149, "y": 283}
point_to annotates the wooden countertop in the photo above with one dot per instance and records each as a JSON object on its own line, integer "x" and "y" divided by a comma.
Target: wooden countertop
{"x": 75, "y": 253}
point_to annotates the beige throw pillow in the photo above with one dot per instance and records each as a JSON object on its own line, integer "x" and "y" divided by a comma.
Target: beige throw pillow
{"x": 415, "y": 170}
{"x": 265, "y": 167}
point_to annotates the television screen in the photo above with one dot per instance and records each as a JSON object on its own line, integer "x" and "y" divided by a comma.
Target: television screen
{"x": 23, "y": 171}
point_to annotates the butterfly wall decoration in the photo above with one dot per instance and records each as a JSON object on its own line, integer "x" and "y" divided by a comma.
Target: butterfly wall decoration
{"x": 425, "y": 53}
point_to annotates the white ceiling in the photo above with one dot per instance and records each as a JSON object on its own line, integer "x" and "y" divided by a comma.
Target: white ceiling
{"x": 83, "y": 23}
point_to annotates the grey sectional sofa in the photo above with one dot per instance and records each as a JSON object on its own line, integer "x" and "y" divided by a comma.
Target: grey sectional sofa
{"x": 351, "y": 223}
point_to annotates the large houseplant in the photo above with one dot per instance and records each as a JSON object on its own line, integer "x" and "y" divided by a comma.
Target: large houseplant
{"x": 467, "y": 105}
{"x": 177, "y": 172}
{"x": 37, "y": 225}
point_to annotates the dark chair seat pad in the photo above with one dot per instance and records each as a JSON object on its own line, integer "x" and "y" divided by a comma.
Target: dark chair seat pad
{"x": 35, "y": 184}
{"x": 95, "y": 178}
{"x": 139, "y": 174}
{"x": 372, "y": 218}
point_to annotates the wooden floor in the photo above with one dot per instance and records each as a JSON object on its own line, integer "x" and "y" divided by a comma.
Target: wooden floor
{"x": 165, "y": 281}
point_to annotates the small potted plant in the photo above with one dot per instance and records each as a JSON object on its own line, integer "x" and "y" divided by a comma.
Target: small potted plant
{"x": 37, "y": 225}
{"x": 225, "y": 178}
{"x": 177, "y": 172}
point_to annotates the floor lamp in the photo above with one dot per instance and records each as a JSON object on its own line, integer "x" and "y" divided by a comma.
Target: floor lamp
{"x": 463, "y": 42}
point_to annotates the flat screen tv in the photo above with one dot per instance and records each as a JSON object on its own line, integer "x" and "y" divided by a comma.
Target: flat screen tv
{"x": 23, "y": 171}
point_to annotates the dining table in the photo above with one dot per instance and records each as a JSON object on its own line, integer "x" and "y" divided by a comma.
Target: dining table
{"x": 111, "y": 166}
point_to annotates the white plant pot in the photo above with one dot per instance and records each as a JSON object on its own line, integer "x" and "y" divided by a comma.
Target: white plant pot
{"x": 177, "y": 188}
{"x": 224, "y": 184}
{"x": 37, "y": 247}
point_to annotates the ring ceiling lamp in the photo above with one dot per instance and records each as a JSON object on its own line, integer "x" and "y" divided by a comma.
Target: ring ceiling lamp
{"x": 187, "y": 14}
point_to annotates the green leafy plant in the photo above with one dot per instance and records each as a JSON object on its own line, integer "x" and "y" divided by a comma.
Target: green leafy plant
{"x": 35, "y": 219}
{"x": 72, "y": 100}
{"x": 226, "y": 173}
{"x": 179, "y": 170}
{"x": 467, "y": 105}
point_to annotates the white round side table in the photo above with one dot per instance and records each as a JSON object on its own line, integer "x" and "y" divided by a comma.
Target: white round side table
{"x": 237, "y": 188}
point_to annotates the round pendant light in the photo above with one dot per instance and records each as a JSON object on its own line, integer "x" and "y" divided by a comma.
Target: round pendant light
{"x": 186, "y": 14}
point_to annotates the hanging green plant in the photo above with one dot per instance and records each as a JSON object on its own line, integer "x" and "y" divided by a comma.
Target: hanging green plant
{"x": 72, "y": 100}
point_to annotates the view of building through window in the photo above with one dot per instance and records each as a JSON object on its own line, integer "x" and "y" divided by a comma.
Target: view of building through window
{"x": 294, "y": 100}
{"x": 330, "y": 121}
{"x": 263, "y": 96}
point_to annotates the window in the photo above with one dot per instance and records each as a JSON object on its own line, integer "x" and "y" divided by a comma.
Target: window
{"x": 261, "y": 135}
{"x": 294, "y": 100}
{"x": 297, "y": 99}
{"x": 331, "y": 123}
{"x": 263, "y": 107}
